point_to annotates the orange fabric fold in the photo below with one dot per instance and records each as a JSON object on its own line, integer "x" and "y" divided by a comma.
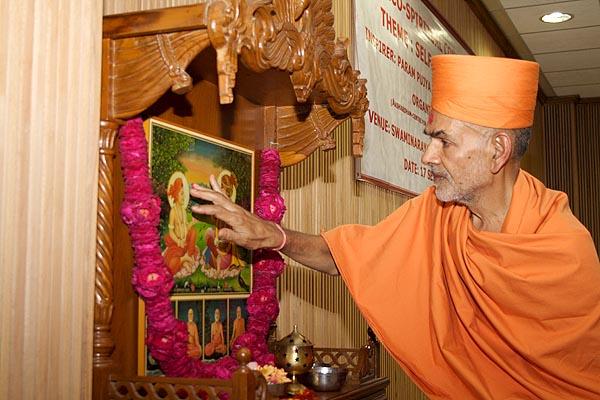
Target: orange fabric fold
{"x": 488, "y": 91}
{"x": 481, "y": 315}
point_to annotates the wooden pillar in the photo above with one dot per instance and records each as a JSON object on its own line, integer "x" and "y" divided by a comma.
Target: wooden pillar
{"x": 104, "y": 294}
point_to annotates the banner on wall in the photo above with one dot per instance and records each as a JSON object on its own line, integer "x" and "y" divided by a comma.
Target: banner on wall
{"x": 394, "y": 41}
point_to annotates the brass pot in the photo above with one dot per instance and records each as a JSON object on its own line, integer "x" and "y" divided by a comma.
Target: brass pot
{"x": 294, "y": 353}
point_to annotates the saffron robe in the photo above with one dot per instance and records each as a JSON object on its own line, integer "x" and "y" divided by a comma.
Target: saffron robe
{"x": 480, "y": 315}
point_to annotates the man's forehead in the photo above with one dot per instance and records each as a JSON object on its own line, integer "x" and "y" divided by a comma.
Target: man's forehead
{"x": 437, "y": 123}
{"x": 441, "y": 124}
{"x": 431, "y": 117}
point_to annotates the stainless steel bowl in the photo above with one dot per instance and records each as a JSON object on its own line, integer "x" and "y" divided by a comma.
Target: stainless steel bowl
{"x": 324, "y": 378}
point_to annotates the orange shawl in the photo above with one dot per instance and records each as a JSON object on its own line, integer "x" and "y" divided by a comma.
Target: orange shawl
{"x": 474, "y": 315}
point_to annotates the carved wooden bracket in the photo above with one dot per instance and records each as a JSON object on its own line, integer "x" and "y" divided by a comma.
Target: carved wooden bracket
{"x": 143, "y": 68}
{"x": 302, "y": 130}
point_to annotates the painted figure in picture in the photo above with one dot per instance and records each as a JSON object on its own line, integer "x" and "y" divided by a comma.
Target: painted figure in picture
{"x": 216, "y": 347}
{"x": 239, "y": 325}
{"x": 181, "y": 254}
{"x": 194, "y": 349}
{"x": 220, "y": 259}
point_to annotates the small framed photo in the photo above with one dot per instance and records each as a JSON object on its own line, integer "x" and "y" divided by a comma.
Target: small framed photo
{"x": 238, "y": 315}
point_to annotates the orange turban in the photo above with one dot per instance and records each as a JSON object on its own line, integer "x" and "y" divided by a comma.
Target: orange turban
{"x": 488, "y": 91}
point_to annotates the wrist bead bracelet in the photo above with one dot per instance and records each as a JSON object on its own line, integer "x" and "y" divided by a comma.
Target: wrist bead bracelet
{"x": 283, "y": 243}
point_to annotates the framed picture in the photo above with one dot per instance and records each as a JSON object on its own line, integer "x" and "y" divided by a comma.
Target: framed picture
{"x": 200, "y": 262}
{"x": 212, "y": 277}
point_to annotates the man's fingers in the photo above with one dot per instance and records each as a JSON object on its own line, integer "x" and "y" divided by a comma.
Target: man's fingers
{"x": 230, "y": 235}
{"x": 210, "y": 195}
{"x": 215, "y": 185}
{"x": 216, "y": 211}
{"x": 241, "y": 239}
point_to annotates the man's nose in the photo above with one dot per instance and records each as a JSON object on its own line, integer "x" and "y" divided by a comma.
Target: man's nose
{"x": 431, "y": 154}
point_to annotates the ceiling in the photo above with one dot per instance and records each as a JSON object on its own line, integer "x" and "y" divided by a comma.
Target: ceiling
{"x": 568, "y": 53}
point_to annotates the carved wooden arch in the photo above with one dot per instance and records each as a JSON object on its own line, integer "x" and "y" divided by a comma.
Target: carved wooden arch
{"x": 146, "y": 53}
{"x": 296, "y": 36}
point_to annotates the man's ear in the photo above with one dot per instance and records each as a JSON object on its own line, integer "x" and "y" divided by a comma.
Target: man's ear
{"x": 502, "y": 148}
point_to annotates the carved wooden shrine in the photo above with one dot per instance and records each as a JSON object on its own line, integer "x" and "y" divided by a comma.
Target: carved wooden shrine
{"x": 251, "y": 71}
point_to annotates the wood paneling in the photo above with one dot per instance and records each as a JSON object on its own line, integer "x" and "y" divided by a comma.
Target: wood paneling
{"x": 572, "y": 147}
{"x": 49, "y": 108}
{"x": 534, "y": 159}
{"x": 559, "y": 131}
{"x": 588, "y": 159}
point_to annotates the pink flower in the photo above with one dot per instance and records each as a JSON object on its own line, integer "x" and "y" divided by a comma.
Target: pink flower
{"x": 269, "y": 170}
{"x": 152, "y": 282}
{"x": 270, "y": 206}
{"x": 264, "y": 281}
{"x": 268, "y": 262}
{"x": 141, "y": 212}
{"x": 263, "y": 305}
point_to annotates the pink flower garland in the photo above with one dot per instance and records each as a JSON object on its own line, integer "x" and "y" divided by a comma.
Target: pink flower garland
{"x": 166, "y": 336}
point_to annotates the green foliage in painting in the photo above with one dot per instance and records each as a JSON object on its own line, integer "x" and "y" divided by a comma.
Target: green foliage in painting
{"x": 239, "y": 164}
{"x": 166, "y": 148}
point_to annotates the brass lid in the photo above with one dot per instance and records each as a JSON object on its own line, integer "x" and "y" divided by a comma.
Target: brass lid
{"x": 295, "y": 339}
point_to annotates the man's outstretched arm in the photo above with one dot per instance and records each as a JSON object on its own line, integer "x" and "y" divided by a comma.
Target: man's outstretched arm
{"x": 249, "y": 231}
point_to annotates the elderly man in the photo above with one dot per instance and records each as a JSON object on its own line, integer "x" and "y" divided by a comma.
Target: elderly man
{"x": 483, "y": 287}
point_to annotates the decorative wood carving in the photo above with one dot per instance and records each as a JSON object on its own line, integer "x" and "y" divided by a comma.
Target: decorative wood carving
{"x": 103, "y": 343}
{"x": 292, "y": 35}
{"x": 143, "y": 68}
{"x": 243, "y": 385}
{"x": 303, "y": 129}
{"x": 296, "y": 36}
{"x": 360, "y": 363}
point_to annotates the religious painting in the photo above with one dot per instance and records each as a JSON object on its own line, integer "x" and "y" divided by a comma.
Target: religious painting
{"x": 216, "y": 329}
{"x": 200, "y": 262}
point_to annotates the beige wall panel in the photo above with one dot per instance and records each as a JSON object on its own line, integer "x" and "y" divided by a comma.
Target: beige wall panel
{"x": 459, "y": 15}
{"x": 122, "y": 6}
{"x": 49, "y": 107}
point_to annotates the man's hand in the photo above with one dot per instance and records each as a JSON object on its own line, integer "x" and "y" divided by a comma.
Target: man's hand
{"x": 249, "y": 231}
{"x": 245, "y": 229}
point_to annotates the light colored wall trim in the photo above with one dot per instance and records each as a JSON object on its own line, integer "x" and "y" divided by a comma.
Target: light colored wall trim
{"x": 49, "y": 108}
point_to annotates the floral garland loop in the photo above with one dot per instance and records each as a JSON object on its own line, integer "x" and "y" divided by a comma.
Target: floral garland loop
{"x": 167, "y": 336}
